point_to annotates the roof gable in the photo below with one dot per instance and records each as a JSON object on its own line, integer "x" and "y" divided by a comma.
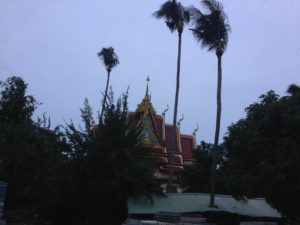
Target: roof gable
{"x": 187, "y": 145}
{"x": 148, "y": 133}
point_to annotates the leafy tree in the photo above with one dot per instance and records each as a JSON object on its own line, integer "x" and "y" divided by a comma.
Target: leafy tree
{"x": 195, "y": 178}
{"x": 111, "y": 168}
{"x": 263, "y": 152}
{"x": 30, "y": 156}
{"x": 110, "y": 60}
{"x": 211, "y": 31}
{"x": 175, "y": 16}
{"x": 81, "y": 138}
{"x": 15, "y": 106}
{"x": 293, "y": 89}
{"x": 81, "y": 176}
{"x": 125, "y": 169}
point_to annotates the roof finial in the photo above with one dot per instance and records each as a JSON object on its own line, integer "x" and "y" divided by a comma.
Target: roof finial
{"x": 182, "y": 117}
{"x": 147, "y": 91}
{"x": 164, "y": 112}
{"x": 195, "y": 131}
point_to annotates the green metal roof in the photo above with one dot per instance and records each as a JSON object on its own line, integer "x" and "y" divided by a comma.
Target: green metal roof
{"x": 198, "y": 202}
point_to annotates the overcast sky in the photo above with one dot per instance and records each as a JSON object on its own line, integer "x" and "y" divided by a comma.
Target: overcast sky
{"x": 53, "y": 45}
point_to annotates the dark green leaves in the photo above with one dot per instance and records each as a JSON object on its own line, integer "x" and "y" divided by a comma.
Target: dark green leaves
{"x": 81, "y": 176}
{"x": 264, "y": 152}
{"x": 174, "y": 14}
{"x": 15, "y": 106}
{"x": 106, "y": 165}
{"x": 109, "y": 58}
{"x": 31, "y": 156}
{"x": 211, "y": 30}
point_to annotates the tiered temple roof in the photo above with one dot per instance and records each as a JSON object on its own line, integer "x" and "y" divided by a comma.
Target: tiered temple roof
{"x": 156, "y": 135}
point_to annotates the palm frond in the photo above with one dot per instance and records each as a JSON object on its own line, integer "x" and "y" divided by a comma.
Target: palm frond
{"x": 171, "y": 25}
{"x": 173, "y": 13}
{"x": 186, "y": 15}
{"x": 194, "y": 13}
{"x": 108, "y": 57}
{"x": 293, "y": 89}
{"x": 213, "y": 5}
{"x": 211, "y": 30}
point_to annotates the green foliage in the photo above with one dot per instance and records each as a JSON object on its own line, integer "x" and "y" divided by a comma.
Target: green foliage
{"x": 174, "y": 14}
{"x": 15, "y": 106}
{"x": 81, "y": 176}
{"x": 211, "y": 30}
{"x": 30, "y": 156}
{"x": 108, "y": 57}
{"x": 109, "y": 166}
{"x": 263, "y": 152}
{"x": 196, "y": 177}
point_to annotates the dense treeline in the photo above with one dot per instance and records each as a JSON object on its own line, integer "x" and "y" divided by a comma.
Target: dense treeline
{"x": 83, "y": 175}
{"x": 260, "y": 155}
{"x": 31, "y": 156}
{"x": 70, "y": 175}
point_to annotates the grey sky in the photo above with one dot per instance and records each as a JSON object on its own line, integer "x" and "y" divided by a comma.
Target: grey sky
{"x": 53, "y": 46}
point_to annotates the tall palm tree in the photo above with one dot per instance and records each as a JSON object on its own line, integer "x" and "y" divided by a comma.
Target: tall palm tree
{"x": 211, "y": 30}
{"x": 293, "y": 89}
{"x": 175, "y": 16}
{"x": 110, "y": 60}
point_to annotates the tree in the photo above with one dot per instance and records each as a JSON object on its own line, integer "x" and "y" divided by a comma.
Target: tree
{"x": 195, "y": 178}
{"x": 263, "y": 152}
{"x": 110, "y": 60}
{"x": 107, "y": 166}
{"x": 175, "y": 16}
{"x": 211, "y": 31}
{"x": 30, "y": 155}
{"x": 15, "y": 106}
{"x": 81, "y": 176}
{"x": 125, "y": 168}
{"x": 293, "y": 89}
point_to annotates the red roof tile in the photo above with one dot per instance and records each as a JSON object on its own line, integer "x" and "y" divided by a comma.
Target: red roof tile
{"x": 187, "y": 146}
{"x": 168, "y": 130}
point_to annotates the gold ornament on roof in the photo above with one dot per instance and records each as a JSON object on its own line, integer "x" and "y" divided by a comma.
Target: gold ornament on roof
{"x": 164, "y": 112}
{"x": 146, "y": 104}
{"x": 180, "y": 120}
{"x": 195, "y": 131}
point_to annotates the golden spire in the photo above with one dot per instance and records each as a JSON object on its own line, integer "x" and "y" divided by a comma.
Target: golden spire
{"x": 146, "y": 102}
{"x": 147, "y": 91}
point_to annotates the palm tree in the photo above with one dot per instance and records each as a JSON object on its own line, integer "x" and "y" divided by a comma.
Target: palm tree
{"x": 175, "y": 16}
{"x": 110, "y": 60}
{"x": 293, "y": 89}
{"x": 211, "y": 30}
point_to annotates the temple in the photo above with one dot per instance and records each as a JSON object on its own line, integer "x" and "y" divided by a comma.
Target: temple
{"x": 155, "y": 135}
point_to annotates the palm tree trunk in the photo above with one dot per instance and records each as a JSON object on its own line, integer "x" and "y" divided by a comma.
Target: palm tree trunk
{"x": 217, "y": 132}
{"x": 171, "y": 172}
{"x": 105, "y": 96}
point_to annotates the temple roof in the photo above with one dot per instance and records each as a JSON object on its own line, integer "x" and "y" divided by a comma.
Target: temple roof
{"x": 155, "y": 133}
{"x": 145, "y": 105}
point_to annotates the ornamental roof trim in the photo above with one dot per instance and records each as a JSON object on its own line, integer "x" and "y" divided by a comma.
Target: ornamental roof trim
{"x": 149, "y": 132}
{"x": 145, "y": 105}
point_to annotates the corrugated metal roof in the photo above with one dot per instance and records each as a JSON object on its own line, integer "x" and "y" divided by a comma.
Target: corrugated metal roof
{"x": 198, "y": 202}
